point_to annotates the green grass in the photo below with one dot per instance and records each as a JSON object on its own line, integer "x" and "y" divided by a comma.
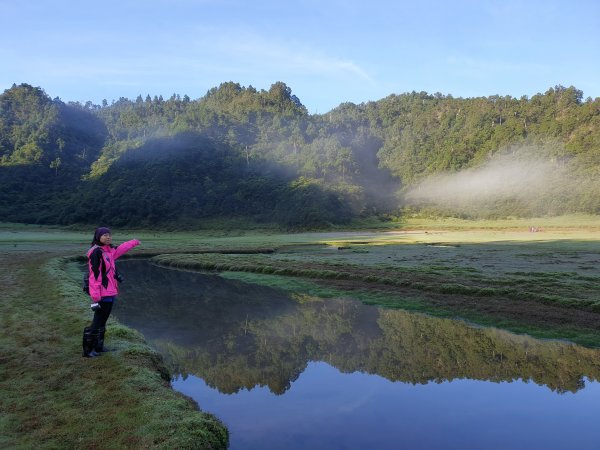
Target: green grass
{"x": 567, "y": 289}
{"x": 51, "y": 397}
{"x": 549, "y": 288}
{"x": 567, "y": 222}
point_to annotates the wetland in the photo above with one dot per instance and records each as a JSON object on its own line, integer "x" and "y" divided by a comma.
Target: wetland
{"x": 476, "y": 335}
{"x": 286, "y": 369}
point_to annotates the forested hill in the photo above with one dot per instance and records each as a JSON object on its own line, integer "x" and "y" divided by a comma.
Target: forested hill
{"x": 256, "y": 154}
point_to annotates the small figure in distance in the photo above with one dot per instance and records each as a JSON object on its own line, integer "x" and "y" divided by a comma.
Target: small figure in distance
{"x": 103, "y": 288}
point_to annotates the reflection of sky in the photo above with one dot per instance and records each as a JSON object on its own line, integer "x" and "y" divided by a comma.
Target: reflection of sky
{"x": 325, "y": 409}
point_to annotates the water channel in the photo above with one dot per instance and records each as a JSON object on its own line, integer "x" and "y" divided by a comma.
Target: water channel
{"x": 291, "y": 371}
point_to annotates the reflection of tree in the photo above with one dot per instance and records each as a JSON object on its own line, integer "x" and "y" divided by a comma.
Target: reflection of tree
{"x": 236, "y": 335}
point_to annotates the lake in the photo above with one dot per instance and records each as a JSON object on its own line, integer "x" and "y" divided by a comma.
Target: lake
{"x": 287, "y": 370}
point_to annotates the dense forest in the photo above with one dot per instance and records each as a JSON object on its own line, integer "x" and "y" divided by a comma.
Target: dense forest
{"x": 239, "y": 152}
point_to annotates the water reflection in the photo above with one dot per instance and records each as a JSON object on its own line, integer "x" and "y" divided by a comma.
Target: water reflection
{"x": 236, "y": 335}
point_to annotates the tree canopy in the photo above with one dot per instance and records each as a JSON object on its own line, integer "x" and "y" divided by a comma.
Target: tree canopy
{"x": 242, "y": 152}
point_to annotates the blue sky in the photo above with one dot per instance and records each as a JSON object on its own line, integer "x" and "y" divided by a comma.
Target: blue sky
{"x": 327, "y": 51}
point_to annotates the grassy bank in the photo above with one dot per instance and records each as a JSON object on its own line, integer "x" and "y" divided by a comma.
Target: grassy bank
{"x": 51, "y": 397}
{"x": 545, "y": 287}
{"x": 563, "y": 289}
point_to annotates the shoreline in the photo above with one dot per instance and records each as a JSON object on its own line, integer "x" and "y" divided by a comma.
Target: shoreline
{"x": 53, "y": 397}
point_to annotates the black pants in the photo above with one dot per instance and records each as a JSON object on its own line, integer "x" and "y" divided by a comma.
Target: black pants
{"x": 101, "y": 316}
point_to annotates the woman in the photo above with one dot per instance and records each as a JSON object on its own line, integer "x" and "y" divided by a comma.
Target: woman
{"x": 103, "y": 287}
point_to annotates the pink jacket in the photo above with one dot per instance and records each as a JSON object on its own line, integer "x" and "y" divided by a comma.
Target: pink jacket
{"x": 102, "y": 275}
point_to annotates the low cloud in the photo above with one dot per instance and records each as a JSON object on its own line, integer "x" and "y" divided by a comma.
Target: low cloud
{"x": 531, "y": 177}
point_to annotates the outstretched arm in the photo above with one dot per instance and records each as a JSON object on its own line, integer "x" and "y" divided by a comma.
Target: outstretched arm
{"x": 125, "y": 247}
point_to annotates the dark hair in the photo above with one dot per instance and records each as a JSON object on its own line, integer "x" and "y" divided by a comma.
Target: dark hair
{"x": 98, "y": 233}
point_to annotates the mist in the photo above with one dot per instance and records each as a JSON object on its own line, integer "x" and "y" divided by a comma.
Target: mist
{"x": 517, "y": 181}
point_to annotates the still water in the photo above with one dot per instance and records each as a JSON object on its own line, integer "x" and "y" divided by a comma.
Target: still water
{"x": 287, "y": 371}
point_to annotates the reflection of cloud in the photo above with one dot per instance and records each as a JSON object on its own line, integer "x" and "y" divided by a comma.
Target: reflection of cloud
{"x": 357, "y": 403}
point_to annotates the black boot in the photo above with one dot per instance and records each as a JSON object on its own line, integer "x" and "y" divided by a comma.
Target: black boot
{"x": 89, "y": 341}
{"x": 99, "y": 344}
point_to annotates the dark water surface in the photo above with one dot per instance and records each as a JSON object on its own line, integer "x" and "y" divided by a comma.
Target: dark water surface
{"x": 289, "y": 371}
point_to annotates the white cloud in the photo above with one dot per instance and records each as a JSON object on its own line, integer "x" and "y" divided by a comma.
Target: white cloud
{"x": 258, "y": 52}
